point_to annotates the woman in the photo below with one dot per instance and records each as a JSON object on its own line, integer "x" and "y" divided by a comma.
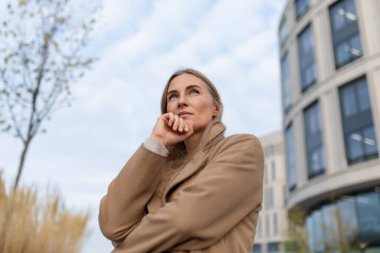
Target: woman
{"x": 187, "y": 188}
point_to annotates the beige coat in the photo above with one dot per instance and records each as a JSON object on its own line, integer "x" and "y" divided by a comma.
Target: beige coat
{"x": 211, "y": 205}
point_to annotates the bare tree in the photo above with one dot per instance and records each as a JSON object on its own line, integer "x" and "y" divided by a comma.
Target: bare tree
{"x": 42, "y": 46}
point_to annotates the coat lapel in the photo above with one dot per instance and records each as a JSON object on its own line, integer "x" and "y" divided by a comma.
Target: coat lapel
{"x": 199, "y": 160}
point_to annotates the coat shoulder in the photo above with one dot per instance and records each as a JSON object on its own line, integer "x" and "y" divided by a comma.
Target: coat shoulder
{"x": 239, "y": 143}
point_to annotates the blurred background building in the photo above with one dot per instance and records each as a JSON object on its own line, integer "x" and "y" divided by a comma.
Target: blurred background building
{"x": 272, "y": 224}
{"x": 330, "y": 71}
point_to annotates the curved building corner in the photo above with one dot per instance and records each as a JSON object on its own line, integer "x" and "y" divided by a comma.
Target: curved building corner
{"x": 330, "y": 82}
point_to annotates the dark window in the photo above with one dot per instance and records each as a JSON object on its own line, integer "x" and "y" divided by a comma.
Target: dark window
{"x": 273, "y": 247}
{"x": 369, "y": 218}
{"x": 313, "y": 137}
{"x": 359, "y": 134}
{"x": 283, "y": 31}
{"x": 285, "y": 78}
{"x": 301, "y": 8}
{"x": 291, "y": 158}
{"x": 256, "y": 248}
{"x": 345, "y": 32}
{"x": 308, "y": 70}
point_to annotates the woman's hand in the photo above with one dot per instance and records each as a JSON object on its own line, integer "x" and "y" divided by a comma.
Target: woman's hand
{"x": 170, "y": 129}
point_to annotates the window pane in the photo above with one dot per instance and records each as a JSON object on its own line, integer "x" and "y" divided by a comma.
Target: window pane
{"x": 285, "y": 76}
{"x": 356, "y": 47}
{"x": 338, "y": 20}
{"x": 317, "y": 161}
{"x": 283, "y": 31}
{"x": 256, "y": 248}
{"x": 290, "y": 153}
{"x": 310, "y": 233}
{"x": 343, "y": 53}
{"x": 355, "y": 146}
{"x": 369, "y": 218}
{"x": 349, "y": 101}
{"x": 369, "y": 141}
{"x": 273, "y": 247}
{"x": 301, "y": 7}
{"x": 308, "y": 70}
{"x": 350, "y": 14}
{"x": 348, "y": 216}
{"x": 330, "y": 226}
{"x": 319, "y": 232}
{"x": 363, "y": 96}
{"x": 345, "y": 32}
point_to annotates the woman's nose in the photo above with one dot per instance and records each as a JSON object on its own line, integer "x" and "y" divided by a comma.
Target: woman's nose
{"x": 182, "y": 100}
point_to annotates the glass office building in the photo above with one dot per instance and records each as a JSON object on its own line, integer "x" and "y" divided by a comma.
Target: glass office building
{"x": 330, "y": 82}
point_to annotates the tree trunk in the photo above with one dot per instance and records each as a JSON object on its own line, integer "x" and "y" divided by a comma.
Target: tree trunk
{"x": 21, "y": 162}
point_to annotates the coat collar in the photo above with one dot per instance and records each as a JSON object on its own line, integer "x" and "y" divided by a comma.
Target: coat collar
{"x": 215, "y": 134}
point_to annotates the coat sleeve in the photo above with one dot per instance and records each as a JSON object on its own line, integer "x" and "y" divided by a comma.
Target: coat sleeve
{"x": 123, "y": 207}
{"x": 205, "y": 209}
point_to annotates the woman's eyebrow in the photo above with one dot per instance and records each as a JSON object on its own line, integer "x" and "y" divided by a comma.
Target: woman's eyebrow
{"x": 187, "y": 88}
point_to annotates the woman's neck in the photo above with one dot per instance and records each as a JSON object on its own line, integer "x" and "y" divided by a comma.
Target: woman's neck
{"x": 192, "y": 142}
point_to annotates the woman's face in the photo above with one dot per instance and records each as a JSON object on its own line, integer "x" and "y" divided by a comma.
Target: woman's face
{"x": 189, "y": 98}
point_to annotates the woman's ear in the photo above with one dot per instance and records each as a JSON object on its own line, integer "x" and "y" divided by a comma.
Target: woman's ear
{"x": 216, "y": 110}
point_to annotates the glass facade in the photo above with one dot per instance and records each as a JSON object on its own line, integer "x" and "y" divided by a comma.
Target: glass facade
{"x": 285, "y": 79}
{"x": 314, "y": 144}
{"x": 308, "y": 69}
{"x": 345, "y": 32}
{"x": 283, "y": 31}
{"x": 256, "y": 248}
{"x": 350, "y": 222}
{"x": 290, "y": 158}
{"x": 301, "y": 8}
{"x": 359, "y": 134}
{"x": 273, "y": 247}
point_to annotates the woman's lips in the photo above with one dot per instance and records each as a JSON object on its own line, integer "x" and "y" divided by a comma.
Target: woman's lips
{"x": 184, "y": 114}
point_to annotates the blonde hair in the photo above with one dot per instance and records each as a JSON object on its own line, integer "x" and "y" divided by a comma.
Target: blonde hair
{"x": 178, "y": 151}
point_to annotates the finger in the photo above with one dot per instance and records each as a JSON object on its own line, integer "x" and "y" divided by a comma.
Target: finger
{"x": 181, "y": 125}
{"x": 171, "y": 119}
{"x": 176, "y": 122}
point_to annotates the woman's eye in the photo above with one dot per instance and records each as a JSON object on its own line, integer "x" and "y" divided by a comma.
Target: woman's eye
{"x": 192, "y": 92}
{"x": 172, "y": 97}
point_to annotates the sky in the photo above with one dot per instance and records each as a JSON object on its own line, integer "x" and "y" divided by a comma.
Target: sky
{"x": 139, "y": 44}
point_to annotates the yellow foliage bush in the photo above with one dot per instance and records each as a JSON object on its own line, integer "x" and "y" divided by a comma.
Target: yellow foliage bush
{"x": 33, "y": 224}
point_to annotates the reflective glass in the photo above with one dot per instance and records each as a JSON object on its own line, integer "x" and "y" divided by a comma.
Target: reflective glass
{"x": 256, "y": 248}
{"x": 285, "y": 76}
{"x": 347, "y": 214}
{"x": 369, "y": 219}
{"x": 363, "y": 96}
{"x": 330, "y": 226}
{"x": 301, "y": 7}
{"x": 283, "y": 33}
{"x": 290, "y": 152}
{"x": 356, "y": 47}
{"x": 349, "y": 101}
{"x": 369, "y": 141}
{"x": 355, "y": 145}
{"x": 343, "y": 53}
{"x": 319, "y": 232}
{"x": 350, "y": 10}
{"x": 310, "y": 233}
{"x": 273, "y": 247}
